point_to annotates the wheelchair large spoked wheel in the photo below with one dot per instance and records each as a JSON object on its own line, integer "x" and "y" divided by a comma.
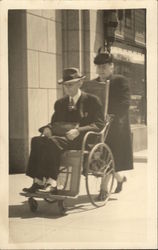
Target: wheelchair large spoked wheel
{"x": 100, "y": 174}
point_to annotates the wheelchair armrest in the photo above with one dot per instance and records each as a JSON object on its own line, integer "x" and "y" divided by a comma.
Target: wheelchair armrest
{"x": 85, "y": 138}
{"x": 103, "y": 133}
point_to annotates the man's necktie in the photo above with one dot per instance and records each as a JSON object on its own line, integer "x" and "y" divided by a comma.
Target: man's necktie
{"x": 71, "y": 105}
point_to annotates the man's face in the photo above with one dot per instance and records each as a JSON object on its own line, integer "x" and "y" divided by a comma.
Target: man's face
{"x": 71, "y": 88}
{"x": 105, "y": 70}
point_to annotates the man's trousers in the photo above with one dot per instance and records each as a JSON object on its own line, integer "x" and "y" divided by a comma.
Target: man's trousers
{"x": 44, "y": 160}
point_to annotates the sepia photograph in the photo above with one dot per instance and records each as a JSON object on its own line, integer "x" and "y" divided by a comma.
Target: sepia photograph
{"x": 78, "y": 135}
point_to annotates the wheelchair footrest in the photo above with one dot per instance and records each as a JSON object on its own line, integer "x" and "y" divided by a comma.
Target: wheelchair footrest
{"x": 46, "y": 195}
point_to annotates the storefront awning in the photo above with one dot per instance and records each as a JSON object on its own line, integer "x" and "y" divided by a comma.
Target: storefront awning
{"x": 128, "y": 55}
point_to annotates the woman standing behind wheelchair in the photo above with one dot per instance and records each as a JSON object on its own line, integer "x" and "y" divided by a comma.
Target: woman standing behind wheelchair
{"x": 119, "y": 136}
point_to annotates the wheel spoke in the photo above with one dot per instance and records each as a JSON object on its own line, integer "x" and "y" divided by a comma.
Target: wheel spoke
{"x": 108, "y": 158}
{"x": 108, "y": 167}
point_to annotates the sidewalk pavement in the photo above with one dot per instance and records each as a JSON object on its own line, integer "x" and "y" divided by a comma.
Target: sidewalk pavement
{"x": 140, "y": 156}
{"x": 123, "y": 220}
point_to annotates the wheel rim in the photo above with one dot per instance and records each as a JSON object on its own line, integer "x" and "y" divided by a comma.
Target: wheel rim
{"x": 100, "y": 174}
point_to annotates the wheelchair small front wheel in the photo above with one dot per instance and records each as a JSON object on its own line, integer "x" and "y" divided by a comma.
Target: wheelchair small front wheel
{"x": 62, "y": 208}
{"x": 100, "y": 174}
{"x": 33, "y": 204}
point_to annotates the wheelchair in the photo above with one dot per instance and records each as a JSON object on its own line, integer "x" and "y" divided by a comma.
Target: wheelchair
{"x": 94, "y": 161}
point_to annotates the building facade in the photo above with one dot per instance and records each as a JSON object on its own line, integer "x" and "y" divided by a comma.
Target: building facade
{"x": 129, "y": 49}
{"x": 43, "y": 42}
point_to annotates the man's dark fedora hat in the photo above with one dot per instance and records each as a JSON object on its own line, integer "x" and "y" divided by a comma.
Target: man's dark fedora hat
{"x": 71, "y": 75}
{"x": 103, "y": 57}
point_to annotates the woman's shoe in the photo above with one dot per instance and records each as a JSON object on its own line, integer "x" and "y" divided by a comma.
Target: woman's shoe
{"x": 120, "y": 184}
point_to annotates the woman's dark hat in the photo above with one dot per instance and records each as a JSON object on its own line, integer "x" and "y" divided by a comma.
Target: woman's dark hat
{"x": 71, "y": 75}
{"x": 103, "y": 57}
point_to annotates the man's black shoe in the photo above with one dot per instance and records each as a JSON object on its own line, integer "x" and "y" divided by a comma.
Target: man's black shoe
{"x": 33, "y": 188}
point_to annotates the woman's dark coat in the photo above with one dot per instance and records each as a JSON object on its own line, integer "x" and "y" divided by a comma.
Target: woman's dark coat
{"x": 119, "y": 136}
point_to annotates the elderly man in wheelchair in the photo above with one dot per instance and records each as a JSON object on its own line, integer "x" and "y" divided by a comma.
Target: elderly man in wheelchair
{"x": 77, "y": 117}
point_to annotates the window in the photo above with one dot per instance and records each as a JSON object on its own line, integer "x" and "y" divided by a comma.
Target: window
{"x": 120, "y": 27}
{"x": 128, "y": 18}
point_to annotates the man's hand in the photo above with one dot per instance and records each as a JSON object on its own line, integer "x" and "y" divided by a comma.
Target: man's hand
{"x": 47, "y": 132}
{"x": 72, "y": 134}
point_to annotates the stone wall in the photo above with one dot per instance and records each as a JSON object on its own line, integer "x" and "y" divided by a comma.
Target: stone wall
{"x": 44, "y": 46}
{"x": 35, "y": 64}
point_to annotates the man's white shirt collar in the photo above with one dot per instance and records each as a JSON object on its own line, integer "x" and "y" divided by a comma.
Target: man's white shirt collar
{"x": 76, "y": 97}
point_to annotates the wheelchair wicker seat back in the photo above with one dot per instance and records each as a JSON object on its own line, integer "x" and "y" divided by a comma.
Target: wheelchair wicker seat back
{"x": 94, "y": 162}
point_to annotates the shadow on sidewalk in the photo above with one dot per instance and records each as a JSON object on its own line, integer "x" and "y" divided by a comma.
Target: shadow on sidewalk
{"x": 51, "y": 211}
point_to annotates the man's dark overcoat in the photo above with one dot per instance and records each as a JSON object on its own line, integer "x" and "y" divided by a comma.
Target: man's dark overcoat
{"x": 45, "y": 152}
{"x": 119, "y": 136}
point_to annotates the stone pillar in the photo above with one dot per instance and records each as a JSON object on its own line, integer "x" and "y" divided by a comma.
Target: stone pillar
{"x": 83, "y": 34}
{"x": 35, "y": 65}
{"x": 72, "y": 39}
{"x": 94, "y": 38}
{"x": 18, "y": 100}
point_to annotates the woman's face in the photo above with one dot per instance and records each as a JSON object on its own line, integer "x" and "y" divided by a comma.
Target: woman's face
{"x": 105, "y": 70}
